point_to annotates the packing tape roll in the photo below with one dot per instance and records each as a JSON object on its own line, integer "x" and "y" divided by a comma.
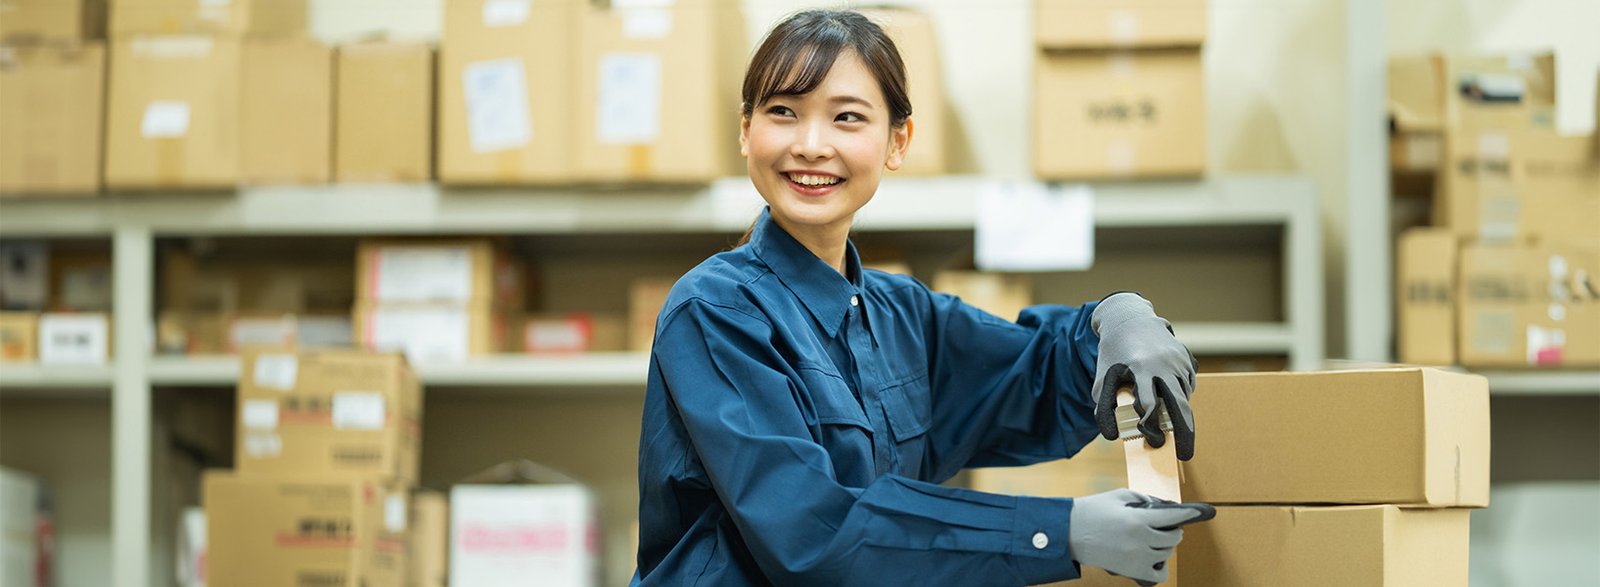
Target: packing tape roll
{"x": 169, "y": 161}
{"x": 640, "y": 160}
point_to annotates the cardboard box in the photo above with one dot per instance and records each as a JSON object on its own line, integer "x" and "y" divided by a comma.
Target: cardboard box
{"x": 1416, "y": 93}
{"x": 80, "y": 281}
{"x": 1530, "y": 305}
{"x": 430, "y": 540}
{"x": 173, "y": 116}
{"x": 384, "y": 112}
{"x": 74, "y": 339}
{"x": 1119, "y": 23}
{"x": 230, "y": 17}
{"x": 19, "y": 337}
{"x": 435, "y": 333}
{"x": 1506, "y": 92}
{"x": 1119, "y": 114}
{"x": 1001, "y": 294}
{"x": 914, "y": 37}
{"x": 184, "y": 333}
{"x": 505, "y": 91}
{"x": 1409, "y": 436}
{"x": 287, "y": 109}
{"x": 1416, "y": 152}
{"x": 52, "y": 104}
{"x": 1370, "y": 545}
{"x": 324, "y": 530}
{"x": 24, "y": 275}
{"x": 30, "y": 22}
{"x": 657, "y": 92}
{"x": 233, "y": 283}
{"x": 328, "y": 412}
{"x": 1425, "y": 307}
{"x": 437, "y": 271}
{"x": 579, "y": 332}
{"x": 645, "y": 299}
{"x": 500, "y": 535}
{"x": 1519, "y": 184}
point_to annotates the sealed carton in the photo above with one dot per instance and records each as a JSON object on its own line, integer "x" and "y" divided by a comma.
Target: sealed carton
{"x": 1119, "y": 114}
{"x": 1369, "y": 545}
{"x": 437, "y": 271}
{"x": 1001, "y": 294}
{"x": 1500, "y": 185}
{"x": 19, "y": 337}
{"x": 173, "y": 114}
{"x": 579, "y": 332}
{"x": 1530, "y": 304}
{"x": 328, "y": 411}
{"x": 52, "y": 102}
{"x": 227, "y": 17}
{"x": 1416, "y": 102}
{"x": 301, "y": 529}
{"x": 656, "y": 94}
{"x": 384, "y": 112}
{"x": 74, "y": 339}
{"x": 505, "y": 91}
{"x": 52, "y": 21}
{"x": 1119, "y": 23}
{"x": 1425, "y": 311}
{"x": 430, "y": 540}
{"x": 432, "y": 333}
{"x": 507, "y": 526}
{"x": 1411, "y": 436}
{"x": 287, "y": 109}
{"x": 914, "y": 36}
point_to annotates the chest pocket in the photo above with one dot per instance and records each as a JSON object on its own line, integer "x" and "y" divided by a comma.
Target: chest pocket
{"x": 909, "y": 408}
{"x": 842, "y": 427}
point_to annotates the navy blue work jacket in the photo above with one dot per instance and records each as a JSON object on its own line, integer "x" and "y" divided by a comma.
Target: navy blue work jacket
{"x": 798, "y": 422}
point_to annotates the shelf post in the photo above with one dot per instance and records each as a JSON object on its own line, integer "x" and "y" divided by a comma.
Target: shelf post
{"x": 133, "y": 274}
{"x": 1369, "y": 295}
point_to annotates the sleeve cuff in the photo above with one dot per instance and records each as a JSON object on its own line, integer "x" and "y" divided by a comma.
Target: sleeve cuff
{"x": 1039, "y": 540}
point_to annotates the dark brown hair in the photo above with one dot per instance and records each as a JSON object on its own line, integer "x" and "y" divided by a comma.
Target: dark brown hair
{"x": 797, "y": 55}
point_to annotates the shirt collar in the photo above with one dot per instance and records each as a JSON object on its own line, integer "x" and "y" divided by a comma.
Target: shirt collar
{"x": 823, "y": 291}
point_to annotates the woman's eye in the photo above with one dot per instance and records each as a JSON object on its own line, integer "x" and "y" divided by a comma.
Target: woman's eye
{"x": 850, "y": 117}
{"x": 780, "y": 111}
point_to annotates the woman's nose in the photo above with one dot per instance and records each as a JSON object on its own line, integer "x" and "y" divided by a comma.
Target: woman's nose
{"x": 811, "y": 142}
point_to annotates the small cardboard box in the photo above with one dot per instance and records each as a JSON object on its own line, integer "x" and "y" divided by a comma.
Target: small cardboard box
{"x": 74, "y": 339}
{"x": 299, "y": 529}
{"x": 430, "y": 540}
{"x": 1368, "y": 545}
{"x": 437, "y": 271}
{"x": 1505, "y": 92}
{"x": 52, "y": 103}
{"x": 52, "y": 21}
{"x": 505, "y": 91}
{"x": 580, "y": 332}
{"x": 645, "y": 299}
{"x": 80, "y": 281}
{"x": 328, "y": 411}
{"x": 656, "y": 97}
{"x": 1416, "y": 102}
{"x": 173, "y": 114}
{"x": 230, "y": 17}
{"x": 914, "y": 36}
{"x": 1119, "y": 23}
{"x": 432, "y": 333}
{"x": 1529, "y": 305}
{"x": 521, "y": 520}
{"x": 1001, "y": 294}
{"x": 19, "y": 337}
{"x": 1105, "y": 114}
{"x": 1425, "y": 296}
{"x": 1411, "y": 436}
{"x": 384, "y": 112}
{"x": 287, "y": 130}
{"x": 1519, "y": 184}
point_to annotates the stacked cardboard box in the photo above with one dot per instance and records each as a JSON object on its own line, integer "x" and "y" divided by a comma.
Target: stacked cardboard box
{"x": 914, "y": 36}
{"x": 436, "y": 299}
{"x": 226, "y": 300}
{"x": 52, "y": 96}
{"x": 1118, "y": 90}
{"x": 327, "y": 451}
{"x": 56, "y": 302}
{"x": 384, "y": 113}
{"x": 520, "y": 519}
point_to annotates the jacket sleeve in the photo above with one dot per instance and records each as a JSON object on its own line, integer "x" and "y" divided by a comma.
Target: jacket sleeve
{"x": 1008, "y": 394}
{"x": 740, "y": 407}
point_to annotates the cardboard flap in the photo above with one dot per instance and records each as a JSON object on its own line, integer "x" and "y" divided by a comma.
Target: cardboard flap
{"x": 521, "y": 472}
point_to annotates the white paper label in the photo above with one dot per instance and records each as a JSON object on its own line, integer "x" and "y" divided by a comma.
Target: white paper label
{"x": 1124, "y": 26}
{"x": 564, "y": 335}
{"x": 173, "y": 46}
{"x": 629, "y": 109}
{"x": 165, "y": 119}
{"x": 1120, "y": 64}
{"x": 25, "y": 274}
{"x": 498, "y": 13}
{"x": 497, "y": 105}
{"x": 646, "y": 23}
{"x": 276, "y": 371}
{"x": 422, "y": 274}
{"x": 394, "y": 513}
{"x": 259, "y": 414}
{"x": 324, "y": 331}
{"x": 73, "y": 339}
{"x": 244, "y": 332}
{"x": 423, "y": 334}
{"x": 1023, "y": 226}
{"x": 1545, "y": 345}
{"x": 1494, "y": 146}
{"x": 263, "y": 444}
{"x": 358, "y": 410}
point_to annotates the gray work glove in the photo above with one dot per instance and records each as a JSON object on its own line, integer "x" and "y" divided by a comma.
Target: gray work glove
{"x": 1130, "y": 534}
{"x": 1137, "y": 348}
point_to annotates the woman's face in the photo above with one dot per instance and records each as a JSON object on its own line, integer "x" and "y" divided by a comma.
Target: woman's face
{"x": 817, "y": 158}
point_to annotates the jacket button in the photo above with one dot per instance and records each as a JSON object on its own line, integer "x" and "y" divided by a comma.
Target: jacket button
{"x": 1040, "y": 541}
{"x": 855, "y": 300}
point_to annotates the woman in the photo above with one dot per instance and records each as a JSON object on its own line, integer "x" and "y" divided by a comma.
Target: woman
{"x": 801, "y": 410}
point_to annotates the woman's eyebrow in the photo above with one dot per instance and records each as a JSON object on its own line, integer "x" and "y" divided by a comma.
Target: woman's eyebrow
{"x": 848, "y": 99}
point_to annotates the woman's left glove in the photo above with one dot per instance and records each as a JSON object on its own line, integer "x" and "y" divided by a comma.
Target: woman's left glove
{"x": 1137, "y": 348}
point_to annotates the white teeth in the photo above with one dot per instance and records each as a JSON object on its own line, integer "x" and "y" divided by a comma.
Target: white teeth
{"x": 813, "y": 179}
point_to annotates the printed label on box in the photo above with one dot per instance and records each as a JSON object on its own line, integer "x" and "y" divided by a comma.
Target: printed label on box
{"x": 73, "y": 339}
{"x": 324, "y": 331}
{"x": 263, "y": 444}
{"x": 276, "y": 371}
{"x": 1124, "y": 26}
{"x": 498, "y": 13}
{"x": 173, "y": 46}
{"x": 1545, "y": 345}
{"x": 497, "y": 105}
{"x": 422, "y": 274}
{"x": 646, "y": 23}
{"x": 259, "y": 414}
{"x": 165, "y": 119}
{"x": 557, "y": 335}
{"x": 358, "y": 410}
{"x": 1027, "y": 227}
{"x": 423, "y": 334}
{"x": 394, "y": 513}
{"x": 629, "y": 109}
{"x": 244, "y": 332}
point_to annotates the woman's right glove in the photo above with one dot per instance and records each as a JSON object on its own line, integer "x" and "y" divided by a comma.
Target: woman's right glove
{"x": 1129, "y": 533}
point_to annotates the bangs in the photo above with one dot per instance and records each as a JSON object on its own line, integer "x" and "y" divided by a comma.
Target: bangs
{"x": 803, "y": 61}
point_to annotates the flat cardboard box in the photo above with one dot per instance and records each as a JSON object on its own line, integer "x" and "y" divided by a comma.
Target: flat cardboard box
{"x": 432, "y": 333}
{"x": 287, "y": 109}
{"x": 230, "y": 17}
{"x": 1425, "y": 296}
{"x": 1341, "y": 546}
{"x": 1083, "y": 24}
{"x": 52, "y": 21}
{"x": 1101, "y": 114}
{"x": 1506, "y": 92}
{"x": 384, "y": 113}
{"x": 430, "y": 539}
{"x": 438, "y": 271}
{"x": 915, "y": 38}
{"x": 19, "y": 337}
{"x": 656, "y": 93}
{"x": 645, "y": 299}
{"x": 1530, "y": 304}
{"x": 505, "y": 91}
{"x": 490, "y": 526}
{"x": 298, "y": 529}
{"x": 328, "y": 412}
{"x": 578, "y": 332}
{"x": 1519, "y": 184}
{"x": 173, "y": 114}
{"x": 205, "y": 333}
{"x": 1410, "y": 436}
{"x": 52, "y": 104}
{"x": 1001, "y": 294}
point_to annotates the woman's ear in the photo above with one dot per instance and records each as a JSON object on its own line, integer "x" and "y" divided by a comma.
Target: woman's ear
{"x": 899, "y": 144}
{"x": 744, "y": 136}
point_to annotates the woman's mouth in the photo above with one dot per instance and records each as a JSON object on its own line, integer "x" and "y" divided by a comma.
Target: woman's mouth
{"x": 810, "y": 184}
